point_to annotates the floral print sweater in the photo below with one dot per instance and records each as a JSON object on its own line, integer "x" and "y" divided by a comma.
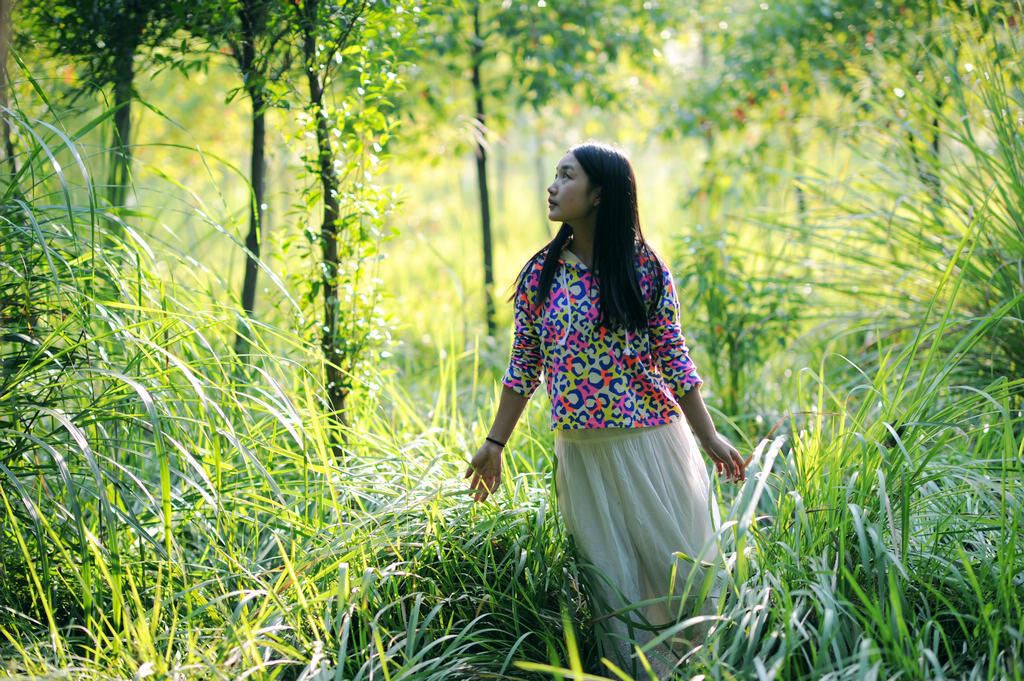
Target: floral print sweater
{"x": 598, "y": 378}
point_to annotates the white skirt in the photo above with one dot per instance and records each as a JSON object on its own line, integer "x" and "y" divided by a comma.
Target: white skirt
{"x": 636, "y": 503}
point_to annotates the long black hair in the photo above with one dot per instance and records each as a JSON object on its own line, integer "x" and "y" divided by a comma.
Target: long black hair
{"x": 617, "y": 242}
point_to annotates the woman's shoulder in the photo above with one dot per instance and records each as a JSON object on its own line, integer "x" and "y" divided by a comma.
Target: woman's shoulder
{"x": 649, "y": 263}
{"x": 536, "y": 261}
{"x": 529, "y": 274}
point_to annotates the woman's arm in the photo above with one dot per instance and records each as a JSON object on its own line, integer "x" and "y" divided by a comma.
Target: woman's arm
{"x": 486, "y": 464}
{"x": 519, "y": 382}
{"x": 668, "y": 346}
{"x": 727, "y": 460}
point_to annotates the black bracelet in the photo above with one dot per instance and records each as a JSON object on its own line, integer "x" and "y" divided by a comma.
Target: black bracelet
{"x": 493, "y": 441}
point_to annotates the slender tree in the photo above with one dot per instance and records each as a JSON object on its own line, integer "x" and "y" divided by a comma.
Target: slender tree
{"x": 311, "y": 15}
{"x": 521, "y": 53}
{"x": 254, "y": 33}
{"x": 480, "y": 149}
{"x": 104, "y": 38}
{"x": 252, "y": 65}
{"x": 348, "y": 67}
{"x": 6, "y": 10}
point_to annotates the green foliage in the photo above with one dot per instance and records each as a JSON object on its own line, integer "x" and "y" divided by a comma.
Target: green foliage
{"x": 765, "y": 57}
{"x": 347, "y": 47}
{"x": 740, "y": 317}
{"x": 100, "y": 36}
{"x": 906, "y": 215}
{"x": 885, "y": 551}
{"x": 532, "y": 54}
{"x": 104, "y": 38}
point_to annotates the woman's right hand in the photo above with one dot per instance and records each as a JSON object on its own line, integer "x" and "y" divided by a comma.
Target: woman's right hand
{"x": 485, "y": 468}
{"x": 728, "y": 461}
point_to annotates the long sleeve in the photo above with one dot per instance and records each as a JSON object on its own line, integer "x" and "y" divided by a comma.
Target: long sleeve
{"x": 524, "y": 366}
{"x": 668, "y": 346}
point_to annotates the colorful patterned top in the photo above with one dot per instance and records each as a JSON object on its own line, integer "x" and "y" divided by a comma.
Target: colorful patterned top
{"x": 599, "y": 378}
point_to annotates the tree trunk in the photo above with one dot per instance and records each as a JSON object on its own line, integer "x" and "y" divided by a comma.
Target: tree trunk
{"x": 5, "y": 43}
{"x": 481, "y": 174}
{"x": 934, "y": 181}
{"x": 801, "y": 199}
{"x": 257, "y": 177}
{"x": 924, "y": 167}
{"x": 930, "y": 179}
{"x": 334, "y": 357}
{"x": 120, "y": 149}
{"x": 542, "y": 186}
{"x": 252, "y": 20}
{"x": 732, "y": 402}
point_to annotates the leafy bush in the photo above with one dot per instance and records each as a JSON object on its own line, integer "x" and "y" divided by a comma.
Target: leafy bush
{"x": 739, "y": 317}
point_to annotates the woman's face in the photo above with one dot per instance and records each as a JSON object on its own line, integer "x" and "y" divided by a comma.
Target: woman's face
{"x": 570, "y": 198}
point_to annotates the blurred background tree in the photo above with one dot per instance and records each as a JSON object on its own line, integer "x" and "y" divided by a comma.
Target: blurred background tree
{"x": 255, "y": 33}
{"x": 6, "y": 7}
{"x": 523, "y": 54}
{"x": 103, "y": 39}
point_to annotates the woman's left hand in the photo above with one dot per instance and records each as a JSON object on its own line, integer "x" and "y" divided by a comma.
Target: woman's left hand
{"x": 485, "y": 469}
{"x": 727, "y": 460}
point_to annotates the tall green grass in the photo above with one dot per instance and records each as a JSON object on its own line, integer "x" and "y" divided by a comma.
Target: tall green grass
{"x": 879, "y": 242}
{"x": 170, "y": 510}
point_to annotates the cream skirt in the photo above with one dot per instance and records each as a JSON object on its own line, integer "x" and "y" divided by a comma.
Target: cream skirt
{"x": 633, "y": 500}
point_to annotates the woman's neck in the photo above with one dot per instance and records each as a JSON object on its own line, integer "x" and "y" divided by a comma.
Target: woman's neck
{"x": 582, "y": 244}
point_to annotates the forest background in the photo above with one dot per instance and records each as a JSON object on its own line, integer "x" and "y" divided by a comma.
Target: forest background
{"x": 254, "y": 254}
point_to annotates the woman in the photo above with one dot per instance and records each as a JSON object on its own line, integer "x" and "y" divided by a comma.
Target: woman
{"x": 596, "y": 312}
